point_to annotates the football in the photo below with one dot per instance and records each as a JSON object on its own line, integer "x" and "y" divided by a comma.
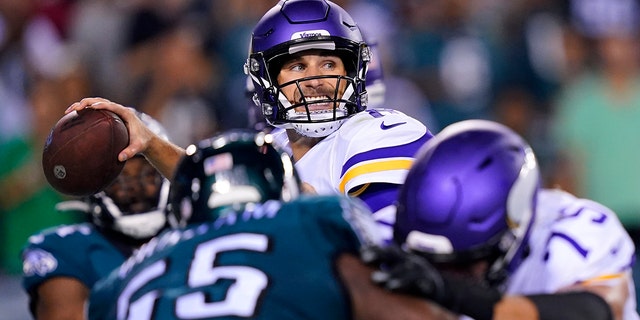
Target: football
{"x": 80, "y": 155}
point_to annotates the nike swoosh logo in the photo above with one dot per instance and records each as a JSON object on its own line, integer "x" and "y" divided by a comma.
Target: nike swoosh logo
{"x": 384, "y": 126}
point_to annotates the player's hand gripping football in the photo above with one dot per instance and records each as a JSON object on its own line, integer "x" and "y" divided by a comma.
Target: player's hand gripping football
{"x": 139, "y": 134}
{"x": 404, "y": 272}
{"x": 163, "y": 154}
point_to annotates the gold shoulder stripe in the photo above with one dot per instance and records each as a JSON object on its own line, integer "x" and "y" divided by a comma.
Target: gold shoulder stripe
{"x": 388, "y": 165}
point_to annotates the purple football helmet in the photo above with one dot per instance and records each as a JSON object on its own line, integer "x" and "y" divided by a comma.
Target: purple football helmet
{"x": 470, "y": 196}
{"x": 293, "y": 26}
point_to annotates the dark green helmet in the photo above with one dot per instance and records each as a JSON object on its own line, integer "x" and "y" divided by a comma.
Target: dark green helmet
{"x": 229, "y": 171}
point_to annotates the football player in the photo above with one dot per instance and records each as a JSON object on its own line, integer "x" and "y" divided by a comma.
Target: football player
{"x": 61, "y": 264}
{"x": 375, "y": 96}
{"x": 246, "y": 244}
{"x": 308, "y": 63}
{"x": 473, "y": 206}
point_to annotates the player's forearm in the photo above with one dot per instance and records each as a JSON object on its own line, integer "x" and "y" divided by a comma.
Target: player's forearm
{"x": 483, "y": 303}
{"x": 60, "y": 298}
{"x": 614, "y": 289}
{"x": 374, "y": 303}
{"x": 405, "y": 272}
{"x": 164, "y": 156}
{"x": 558, "y": 306}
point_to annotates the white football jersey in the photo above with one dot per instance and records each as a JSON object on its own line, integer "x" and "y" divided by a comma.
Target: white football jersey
{"x": 574, "y": 241}
{"x": 373, "y": 146}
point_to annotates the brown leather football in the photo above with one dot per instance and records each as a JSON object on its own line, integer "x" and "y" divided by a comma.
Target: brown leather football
{"x": 80, "y": 156}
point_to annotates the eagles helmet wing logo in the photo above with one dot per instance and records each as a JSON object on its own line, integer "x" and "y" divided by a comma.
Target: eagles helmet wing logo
{"x": 38, "y": 261}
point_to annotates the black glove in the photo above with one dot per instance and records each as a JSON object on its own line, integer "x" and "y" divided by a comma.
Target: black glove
{"x": 406, "y": 272}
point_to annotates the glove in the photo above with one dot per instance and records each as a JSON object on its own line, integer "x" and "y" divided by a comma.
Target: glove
{"x": 405, "y": 272}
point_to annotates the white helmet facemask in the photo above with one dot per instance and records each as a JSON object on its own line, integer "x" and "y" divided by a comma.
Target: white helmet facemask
{"x": 317, "y": 123}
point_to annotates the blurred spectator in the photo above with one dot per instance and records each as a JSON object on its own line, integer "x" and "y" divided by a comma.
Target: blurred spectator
{"x": 177, "y": 87}
{"x": 97, "y": 29}
{"x": 169, "y": 72}
{"x": 386, "y": 87}
{"x": 452, "y": 57}
{"x": 40, "y": 76}
{"x": 155, "y": 57}
{"x": 229, "y": 31}
{"x": 518, "y": 108}
{"x": 532, "y": 40}
{"x": 26, "y": 199}
{"x": 14, "y": 116}
{"x": 598, "y": 112}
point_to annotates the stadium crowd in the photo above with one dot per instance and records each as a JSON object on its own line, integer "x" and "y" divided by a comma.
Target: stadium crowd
{"x": 561, "y": 74}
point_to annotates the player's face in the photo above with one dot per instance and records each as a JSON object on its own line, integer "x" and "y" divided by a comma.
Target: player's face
{"x": 137, "y": 187}
{"x": 309, "y": 64}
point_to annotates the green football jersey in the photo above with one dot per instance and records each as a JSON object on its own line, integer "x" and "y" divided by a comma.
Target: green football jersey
{"x": 273, "y": 261}
{"x": 77, "y": 251}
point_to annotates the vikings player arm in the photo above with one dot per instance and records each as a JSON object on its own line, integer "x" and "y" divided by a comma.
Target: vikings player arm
{"x": 379, "y": 195}
{"x": 615, "y": 294}
{"x": 573, "y": 305}
{"x": 381, "y": 145}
